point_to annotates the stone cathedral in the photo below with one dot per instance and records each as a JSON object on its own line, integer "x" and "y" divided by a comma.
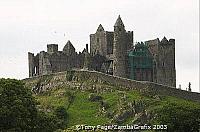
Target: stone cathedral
{"x": 114, "y": 53}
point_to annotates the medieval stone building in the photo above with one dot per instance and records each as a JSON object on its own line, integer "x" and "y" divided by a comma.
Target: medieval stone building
{"x": 112, "y": 53}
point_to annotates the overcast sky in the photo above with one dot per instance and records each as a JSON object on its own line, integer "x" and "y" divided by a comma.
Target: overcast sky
{"x": 29, "y": 25}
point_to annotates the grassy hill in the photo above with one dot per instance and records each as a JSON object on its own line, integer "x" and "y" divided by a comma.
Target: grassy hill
{"x": 95, "y": 102}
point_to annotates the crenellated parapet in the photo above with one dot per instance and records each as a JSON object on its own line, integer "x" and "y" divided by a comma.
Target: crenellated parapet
{"x": 114, "y": 53}
{"x": 164, "y": 60}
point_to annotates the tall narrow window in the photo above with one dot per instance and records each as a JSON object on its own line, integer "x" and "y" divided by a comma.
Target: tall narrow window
{"x": 163, "y": 64}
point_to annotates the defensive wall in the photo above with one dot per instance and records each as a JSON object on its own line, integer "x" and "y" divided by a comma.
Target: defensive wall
{"x": 122, "y": 83}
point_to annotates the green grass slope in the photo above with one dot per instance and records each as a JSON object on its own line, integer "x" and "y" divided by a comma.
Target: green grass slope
{"x": 94, "y": 103}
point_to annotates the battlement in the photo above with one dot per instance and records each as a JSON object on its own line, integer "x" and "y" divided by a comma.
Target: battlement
{"x": 172, "y": 41}
{"x": 52, "y": 48}
{"x": 109, "y": 53}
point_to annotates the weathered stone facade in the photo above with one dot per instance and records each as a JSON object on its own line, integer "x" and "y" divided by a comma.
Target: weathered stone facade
{"x": 109, "y": 53}
{"x": 163, "y": 52}
{"x": 55, "y": 61}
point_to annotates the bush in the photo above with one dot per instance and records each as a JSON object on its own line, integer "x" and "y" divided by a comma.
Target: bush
{"x": 69, "y": 75}
{"x": 18, "y": 110}
{"x": 94, "y": 98}
{"x": 46, "y": 123}
{"x": 61, "y": 112}
{"x": 179, "y": 117}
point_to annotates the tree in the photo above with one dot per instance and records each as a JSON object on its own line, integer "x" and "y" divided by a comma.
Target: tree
{"x": 17, "y": 106}
{"x": 18, "y": 111}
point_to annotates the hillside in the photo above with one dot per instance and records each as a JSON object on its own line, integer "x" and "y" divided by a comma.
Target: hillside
{"x": 93, "y": 98}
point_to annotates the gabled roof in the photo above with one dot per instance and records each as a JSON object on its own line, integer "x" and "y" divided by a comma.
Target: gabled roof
{"x": 164, "y": 40}
{"x": 119, "y": 22}
{"x": 100, "y": 28}
{"x": 68, "y": 46}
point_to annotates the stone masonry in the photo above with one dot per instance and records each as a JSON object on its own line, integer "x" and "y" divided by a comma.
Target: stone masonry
{"x": 110, "y": 53}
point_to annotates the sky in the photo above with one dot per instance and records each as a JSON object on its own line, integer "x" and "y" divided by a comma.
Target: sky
{"x": 29, "y": 25}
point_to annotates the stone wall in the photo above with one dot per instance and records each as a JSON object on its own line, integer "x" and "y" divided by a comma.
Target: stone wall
{"x": 109, "y": 54}
{"x": 164, "y": 60}
{"x": 54, "y": 61}
{"x": 166, "y": 72}
{"x": 109, "y": 39}
{"x": 147, "y": 88}
{"x": 98, "y": 43}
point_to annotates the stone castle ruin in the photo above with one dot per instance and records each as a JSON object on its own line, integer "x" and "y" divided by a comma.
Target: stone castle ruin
{"x": 112, "y": 53}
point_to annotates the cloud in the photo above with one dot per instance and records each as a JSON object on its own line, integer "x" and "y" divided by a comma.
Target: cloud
{"x": 30, "y": 25}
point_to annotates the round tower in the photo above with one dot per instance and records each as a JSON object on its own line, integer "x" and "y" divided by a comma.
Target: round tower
{"x": 119, "y": 49}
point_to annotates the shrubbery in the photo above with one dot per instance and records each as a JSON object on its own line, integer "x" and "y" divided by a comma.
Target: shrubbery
{"x": 179, "y": 117}
{"x": 18, "y": 110}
